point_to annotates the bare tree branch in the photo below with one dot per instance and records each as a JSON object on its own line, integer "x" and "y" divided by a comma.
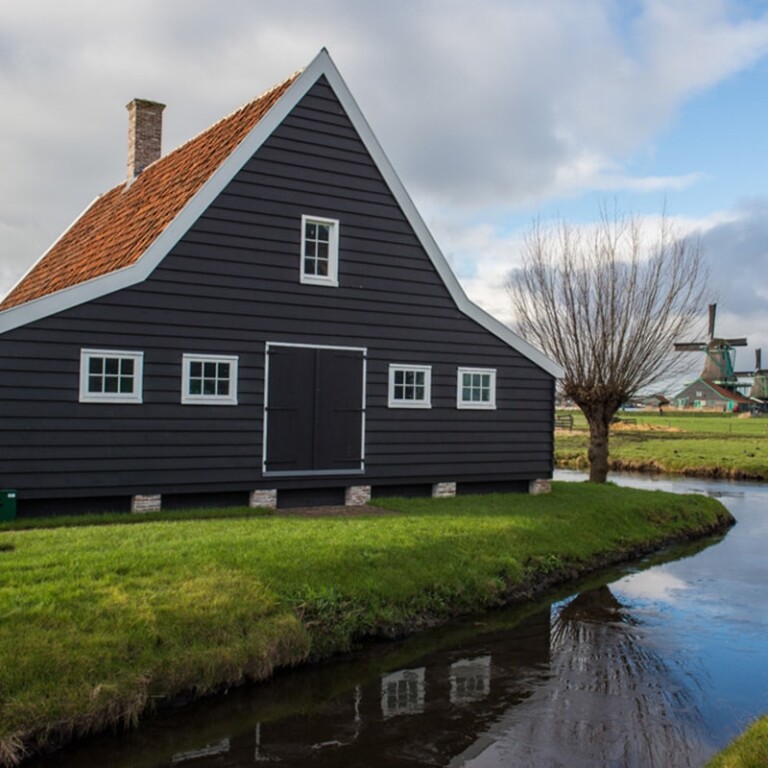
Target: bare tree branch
{"x": 607, "y": 305}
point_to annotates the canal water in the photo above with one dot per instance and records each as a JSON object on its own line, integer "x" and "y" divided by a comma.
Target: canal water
{"x": 660, "y": 663}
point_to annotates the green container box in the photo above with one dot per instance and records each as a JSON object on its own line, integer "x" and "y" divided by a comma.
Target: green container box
{"x": 7, "y": 505}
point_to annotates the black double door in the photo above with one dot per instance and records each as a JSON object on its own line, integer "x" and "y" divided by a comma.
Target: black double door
{"x": 315, "y": 409}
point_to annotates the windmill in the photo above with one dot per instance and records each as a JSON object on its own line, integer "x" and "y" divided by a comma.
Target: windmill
{"x": 720, "y": 355}
{"x": 759, "y": 389}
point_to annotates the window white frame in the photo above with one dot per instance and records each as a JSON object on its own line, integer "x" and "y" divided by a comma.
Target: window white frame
{"x": 404, "y": 384}
{"x": 481, "y": 380}
{"x": 319, "y": 243}
{"x": 199, "y": 370}
{"x": 106, "y": 373}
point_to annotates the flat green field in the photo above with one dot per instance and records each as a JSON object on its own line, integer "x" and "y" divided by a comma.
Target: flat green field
{"x": 99, "y": 622}
{"x": 708, "y": 445}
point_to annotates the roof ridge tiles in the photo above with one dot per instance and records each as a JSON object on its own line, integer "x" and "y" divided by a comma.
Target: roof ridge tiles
{"x": 264, "y": 95}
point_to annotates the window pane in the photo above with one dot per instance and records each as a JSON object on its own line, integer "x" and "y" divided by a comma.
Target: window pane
{"x": 309, "y": 266}
{"x": 95, "y": 383}
{"x": 212, "y": 379}
{"x": 323, "y": 232}
{"x": 96, "y": 365}
{"x": 112, "y": 365}
{"x": 311, "y": 231}
{"x": 126, "y": 366}
{"x": 322, "y": 268}
{"x": 126, "y": 384}
{"x": 110, "y": 384}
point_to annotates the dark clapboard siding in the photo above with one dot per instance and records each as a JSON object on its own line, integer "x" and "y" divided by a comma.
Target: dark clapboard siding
{"x": 229, "y": 286}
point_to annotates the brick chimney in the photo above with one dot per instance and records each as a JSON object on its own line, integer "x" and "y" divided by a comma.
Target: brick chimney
{"x": 145, "y": 130}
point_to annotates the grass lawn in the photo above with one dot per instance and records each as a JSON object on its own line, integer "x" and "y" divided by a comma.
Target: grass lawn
{"x": 714, "y": 445}
{"x": 750, "y": 750}
{"x": 101, "y": 621}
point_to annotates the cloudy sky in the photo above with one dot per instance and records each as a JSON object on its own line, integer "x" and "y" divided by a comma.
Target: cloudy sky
{"x": 493, "y": 112}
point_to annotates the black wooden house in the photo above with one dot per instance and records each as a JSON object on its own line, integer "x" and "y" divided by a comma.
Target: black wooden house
{"x": 260, "y": 316}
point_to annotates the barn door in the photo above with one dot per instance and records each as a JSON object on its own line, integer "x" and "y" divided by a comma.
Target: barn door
{"x": 315, "y": 412}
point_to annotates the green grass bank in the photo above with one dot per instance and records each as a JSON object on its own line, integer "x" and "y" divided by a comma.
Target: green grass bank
{"x": 103, "y": 622}
{"x": 677, "y": 442}
{"x": 750, "y": 750}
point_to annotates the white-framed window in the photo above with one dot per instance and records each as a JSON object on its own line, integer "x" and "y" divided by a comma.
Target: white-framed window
{"x": 209, "y": 379}
{"x": 111, "y": 376}
{"x": 476, "y": 388}
{"x": 319, "y": 250}
{"x": 410, "y": 386}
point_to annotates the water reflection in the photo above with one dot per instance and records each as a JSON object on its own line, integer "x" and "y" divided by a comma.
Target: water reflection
{"x": 617, "y": 700}
{"x": 656, "y": 667}
{"x": 575, "y": 679}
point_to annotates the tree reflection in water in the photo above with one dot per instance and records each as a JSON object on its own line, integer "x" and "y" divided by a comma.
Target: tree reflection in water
{"x": 613, "y": 701}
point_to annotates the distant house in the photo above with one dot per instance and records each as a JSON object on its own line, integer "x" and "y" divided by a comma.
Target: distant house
{"x": 706, "y": 395}
{"x": 260, "y": 316}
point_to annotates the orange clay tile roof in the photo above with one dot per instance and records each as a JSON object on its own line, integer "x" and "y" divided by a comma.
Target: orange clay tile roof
{"x": 121, "y": 224}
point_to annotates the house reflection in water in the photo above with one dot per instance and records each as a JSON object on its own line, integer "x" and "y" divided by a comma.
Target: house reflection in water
{"x": 573, "y": 684}
{"x": 403, "y": 692}
{"x": 470, "y": 679}
{"x": 416, "y": 714}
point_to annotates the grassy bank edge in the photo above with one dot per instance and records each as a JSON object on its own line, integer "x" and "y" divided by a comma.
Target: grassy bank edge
{"x": 567, "y": 460}
{"x": 311, "y": 629}
{"x": 749, "y": 750}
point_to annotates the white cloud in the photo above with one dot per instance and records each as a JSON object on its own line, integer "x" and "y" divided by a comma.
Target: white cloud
{"x": 656, "y": 584}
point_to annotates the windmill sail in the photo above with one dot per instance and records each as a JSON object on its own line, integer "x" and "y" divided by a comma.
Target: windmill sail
{"x": 719, "y": 354}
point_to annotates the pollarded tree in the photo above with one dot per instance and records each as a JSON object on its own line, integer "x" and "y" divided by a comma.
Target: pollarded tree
{"x": 607, "y": 303}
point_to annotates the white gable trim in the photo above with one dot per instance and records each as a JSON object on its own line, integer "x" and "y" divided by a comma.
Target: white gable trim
{"x": 138, "y": 272}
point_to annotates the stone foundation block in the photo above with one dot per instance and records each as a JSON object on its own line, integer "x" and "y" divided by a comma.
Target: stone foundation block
{"x": 536, "y": 487}
{"x": 443, "y": 490}
{"x": 267, "y": 499}
{"x": 152, "y": 502}
{"x": 357, "y": 495}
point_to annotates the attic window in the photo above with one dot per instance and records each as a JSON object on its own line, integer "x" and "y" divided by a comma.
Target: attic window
{"x": 110, "y": 376}
{"x": 319, "y": 251}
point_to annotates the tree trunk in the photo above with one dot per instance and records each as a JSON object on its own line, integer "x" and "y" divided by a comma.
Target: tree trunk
{"x": 598, "y": 450}
{"x": 599, "y": 416}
